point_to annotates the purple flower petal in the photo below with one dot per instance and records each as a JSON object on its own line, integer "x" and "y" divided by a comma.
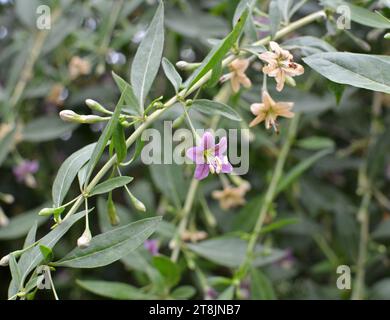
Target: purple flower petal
{"x": 226, "y": 166}
{"x": 151, "y": 246}
{"x": 207, "y": 141}
{"x": 196, "y": 154}
{"x": 201, "y": 171}
{"x": 221, "y": 147}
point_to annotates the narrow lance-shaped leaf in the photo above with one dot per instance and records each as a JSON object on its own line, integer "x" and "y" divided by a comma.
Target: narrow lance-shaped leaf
{"x": 110, "y": 184}
{"x": 218, "y": 53}
{"x": 210, "y": 107}
{"x": 31, "y": 258}
{"x": 359, "y": 70}
{"x": 172, "y": 74}
{"x": 68, "y": 172}
{"x": 105, "y": 136}
{"x": 119, "y": 143}
{"x": 131, "y": 103}
{"x": 148, "y": 57}
{"x": 110, "y": 246}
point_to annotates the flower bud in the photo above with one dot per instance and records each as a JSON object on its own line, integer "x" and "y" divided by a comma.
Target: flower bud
{"x": 111, "y": 210}
{"x": 290, "y": 81}
{"x": 51, "y": 211}
{"x": 184, "y": 65}
{"x": 7, "y": 198}
{"x": 85, "y": 240}
{"x": 69, "y": 116}
{"x": 94, "y": 105}
{"x": 4, "y": 261}
{"x": 4, "y": 221}
{"x": 136, "y": 203}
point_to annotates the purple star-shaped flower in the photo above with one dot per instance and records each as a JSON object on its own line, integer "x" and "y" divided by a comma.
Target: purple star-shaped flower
{"x": 209, "y": 157}
{"x": 23, "y": 169}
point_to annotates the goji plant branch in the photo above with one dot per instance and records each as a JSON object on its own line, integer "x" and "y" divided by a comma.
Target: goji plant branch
{"x": 269, "y": 196}
{"x": 365, "y": 188}
{"x": 183, "y": 94}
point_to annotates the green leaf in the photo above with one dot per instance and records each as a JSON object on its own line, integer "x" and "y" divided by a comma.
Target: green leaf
{"x": 215, "y": 251}
{"x": 362, "y": 15}
{"x": 217, "y": 54}
{"x": 46, "y": 128}
{"x": 274, "y": 16}
{"x": 104, "y": 137}
{"x": 15, "y": 271}
{"x": 337, "y": 89}
{"x": 315, "y": 143}
{"x": 113, "y": 290}
{"x": 308, "y": 45}
{"x": 210, "y": 107}
{"x": 68, "y": 172}
{"x": 183, "y": 292}
{"x": 32, "y": 258}
{"x": 131, "y": 103}
{"x": 278, "y": 225}
{"x": 110, "y": 246}
{"x": 148, "y": 57}
{"x": 215, "y": 75}
{"x": 119, "y": 143}
{"x": 300, "y": 168}
{"x": 169, "y": 270}
{"x": 228, "y": 294}
{"x": 371, "y": 72}
{"x": 26, "y": 11}
{"x": 261, "y": 286}
{"x": 110, "y": 184}
{"x": 20, "y": 225}
{"x": 47, "y": 253}
{"x": 6, "y": 144}
{"x": 171, "y": 73}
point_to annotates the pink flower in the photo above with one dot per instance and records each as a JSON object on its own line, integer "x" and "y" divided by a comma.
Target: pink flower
{"x": 152, "y": 246}
{"x": 24, "y": 172}
{"x": 237, "y": 75}
{"x": 209, "y": 157}
{"x": 280, "y": 65}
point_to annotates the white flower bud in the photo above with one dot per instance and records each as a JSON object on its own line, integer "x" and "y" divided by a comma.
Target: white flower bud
{"x": 184, "y": 65}
{"x": 4, "y": 221}
{"x": 85, "y": 240}
{"x": 4, "y": 261}
{"x": 7, "y": 198}
{"x": 69, "y": 115}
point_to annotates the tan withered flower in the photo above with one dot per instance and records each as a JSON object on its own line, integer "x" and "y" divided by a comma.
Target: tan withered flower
{"x": 269, "y": 110}
{"x": 193, "y": 236}
{"x": 237, "y": 74}
{"x": 231, "y": 197}
{"x": 280, "y": 65}
{"x": 55, "y": 95}
{"x": 78, "y": 67}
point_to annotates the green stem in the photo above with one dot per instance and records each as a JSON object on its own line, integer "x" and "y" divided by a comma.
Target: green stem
{"x": 269, "y": 196}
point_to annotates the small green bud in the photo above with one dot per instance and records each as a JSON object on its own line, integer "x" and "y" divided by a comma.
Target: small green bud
{"x": 111, "y": 210}
{"x": 51, "y": 211}
{"x": 94, "y": 105}
{"x": 290, "y": 81}
{"x": 184, "y": 65}
{"x": 136, "y": 203}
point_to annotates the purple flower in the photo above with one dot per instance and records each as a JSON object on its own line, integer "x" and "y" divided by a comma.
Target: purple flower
{"x": 209, "y": 157}
{"x": 152, "y": 246}
{"x": 210, "y": 294}
{"x": 24, "y": 170}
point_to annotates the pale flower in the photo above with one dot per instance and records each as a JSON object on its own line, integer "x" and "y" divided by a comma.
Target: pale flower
{"x": 237, "y": 74}
{"x": 231, "y": 197}
{"x": 78, "y": 67}
{"x": 280, "y": 65}
{"x": 269, "y": 110}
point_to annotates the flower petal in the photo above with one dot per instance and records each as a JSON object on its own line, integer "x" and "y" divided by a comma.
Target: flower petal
{"x": 195, "y": 154}
{"x": 260, "y": 118}
{"x": 201, "y": 171}
{"x": 207, "y": 141}
{"x": 221, "y": 147}
{"x": 256, "y": 107}
{"x": 226, "y": 166}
